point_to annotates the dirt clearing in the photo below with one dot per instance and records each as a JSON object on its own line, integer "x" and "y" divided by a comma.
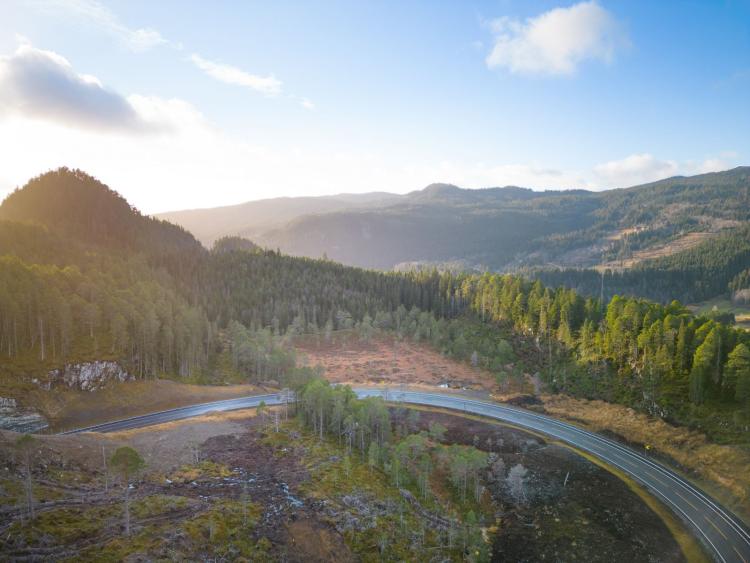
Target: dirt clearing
{"x": 384, "y": 360}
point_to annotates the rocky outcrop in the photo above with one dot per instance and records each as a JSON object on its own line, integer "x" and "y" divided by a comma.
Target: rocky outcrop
{"x": 19, "y": 419}
{"x": 87, "y": 376}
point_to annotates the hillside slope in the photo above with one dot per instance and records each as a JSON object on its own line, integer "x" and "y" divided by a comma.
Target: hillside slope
{"x": 72, "y": 292}
{"x": 505, "y": 228}
{"x": 253, "y": 218}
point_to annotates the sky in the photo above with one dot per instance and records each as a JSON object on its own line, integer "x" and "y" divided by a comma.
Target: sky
{"x": 179, "y": 104}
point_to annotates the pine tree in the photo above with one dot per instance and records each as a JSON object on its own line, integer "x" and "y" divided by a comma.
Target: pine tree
{"x": 704, "y": 365}
{"x": 738, "y": 374}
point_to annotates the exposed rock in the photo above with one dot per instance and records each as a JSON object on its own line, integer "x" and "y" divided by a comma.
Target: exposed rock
{"x": 19, "y": 419}
{"x": 358, "y": 511}
{"x": 7, "y": 403}
{"x": 87, "y": 376}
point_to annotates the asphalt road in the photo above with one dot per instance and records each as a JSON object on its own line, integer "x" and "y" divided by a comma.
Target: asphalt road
{"x": 722, "y": 534}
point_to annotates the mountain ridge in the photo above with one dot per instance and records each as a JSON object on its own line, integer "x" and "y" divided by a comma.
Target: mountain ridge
{"x": 510, "y": 229}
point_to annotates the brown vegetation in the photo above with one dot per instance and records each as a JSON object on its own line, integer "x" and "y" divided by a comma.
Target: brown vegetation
{"x": 723, "y": 470}
{"x": 384, "y": 359}
{"x": 66, "y": 409}
{"x": 679, "y": 244}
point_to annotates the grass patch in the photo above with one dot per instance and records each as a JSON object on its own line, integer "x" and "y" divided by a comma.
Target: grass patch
{"x": 147, "y": 541}
{"x": 722, "y": 470}
{"x": 66, "y": 525}
{"x": 69, "y": 478}
{"x": 225, "y": 530}
{"x": 155, "y": 505}
{"x": 204, "y": 470}
{"x": 12, "y": 491}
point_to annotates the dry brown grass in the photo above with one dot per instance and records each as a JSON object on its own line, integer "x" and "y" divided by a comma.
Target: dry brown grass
{"x": 723, "y": 470}
{"x": 684, "y": 242}
{"x": 163, "y": 446}
{"x": 67, "y": 409}
{"x": 173, "y": 444}
{"x": 385, "y": 360}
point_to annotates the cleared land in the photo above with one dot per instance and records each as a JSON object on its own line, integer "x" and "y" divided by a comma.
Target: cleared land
{"x": 724, "y": 305}
{"x": 230, "y": 486}
{"x": 679, "y": 244}
{"x": 385, "y": 360}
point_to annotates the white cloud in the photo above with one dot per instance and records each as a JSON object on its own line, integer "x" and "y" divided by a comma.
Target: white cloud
{"x": 143, "y": 39}
{"x": 644, "y": 168}
{"x": 716, "y": 163}
{"x": 307, "y": 104}
{"x": 557, "y": 41}
{"x": 43, "y": 85}
{"x": 633, "y": 170}
{"x": 711, "y": 165}
{"x": 52, "y": 116}
{"x": 137, "y": 40}
{"x": 267, "y": 85}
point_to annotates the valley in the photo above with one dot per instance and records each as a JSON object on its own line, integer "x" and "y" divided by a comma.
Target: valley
{"x": 132, "y": 316}
{"x": 374, "y": 282}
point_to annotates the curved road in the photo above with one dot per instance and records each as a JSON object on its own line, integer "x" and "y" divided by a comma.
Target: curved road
{"x": 723, "y": 535}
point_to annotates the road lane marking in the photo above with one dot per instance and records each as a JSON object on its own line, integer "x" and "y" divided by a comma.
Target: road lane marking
{"x": 655, "y": 478}
{"x": 737, "y": 551}
{"x": 723, "y": 535}
{"x": 687, "y": 501}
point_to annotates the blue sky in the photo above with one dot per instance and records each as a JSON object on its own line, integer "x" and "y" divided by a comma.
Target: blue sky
{"x": 179, "y": 104}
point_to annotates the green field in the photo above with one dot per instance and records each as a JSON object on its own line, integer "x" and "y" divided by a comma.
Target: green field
{"x": 722, "y": 304}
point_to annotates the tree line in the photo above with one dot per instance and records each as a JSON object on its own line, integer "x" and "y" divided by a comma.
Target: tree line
{"x": 409, "y": 457}
{"x": 163, "y": 305}
{"x": 713, "y": 267}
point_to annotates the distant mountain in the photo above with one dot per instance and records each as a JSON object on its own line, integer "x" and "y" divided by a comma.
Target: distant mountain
{"x": 495, "y": 228}
{"x": 252, "y": 219}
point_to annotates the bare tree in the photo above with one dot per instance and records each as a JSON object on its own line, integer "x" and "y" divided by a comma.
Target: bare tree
{"x": 26, "y": 445}
{"x": 127, "y": 462}
{"x": 286, "y": 396}
{"x": 106, "y": 470}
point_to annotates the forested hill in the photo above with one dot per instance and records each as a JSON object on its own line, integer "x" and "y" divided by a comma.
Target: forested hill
{"x": 83, "y": 275}
{"x": 714, "y": 267}
{"x": 79, "y": 207}
{"x": 80, "y": 292}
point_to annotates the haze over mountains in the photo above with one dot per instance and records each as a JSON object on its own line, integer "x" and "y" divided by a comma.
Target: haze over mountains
{"x": 499, "y": 229}
{"x": 254, "y": 218}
